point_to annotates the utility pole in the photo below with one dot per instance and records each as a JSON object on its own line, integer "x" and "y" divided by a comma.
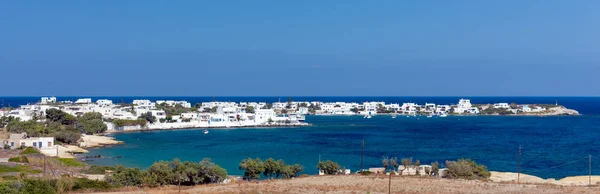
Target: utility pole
{"x": 44, "y": 165}
{"x": 519, "y": 166}
{"x": 362, "y": 156}
{"x": 390, "y": 184}
{"x": 590, "y": 171}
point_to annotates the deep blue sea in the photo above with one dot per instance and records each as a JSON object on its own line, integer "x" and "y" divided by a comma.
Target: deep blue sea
{"x": 556, "y": 146}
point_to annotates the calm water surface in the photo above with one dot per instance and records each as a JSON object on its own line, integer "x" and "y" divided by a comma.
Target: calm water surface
{"x": 552, "y": 146}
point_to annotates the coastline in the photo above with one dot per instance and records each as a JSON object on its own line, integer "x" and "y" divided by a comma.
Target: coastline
{"x": 138, "y": 129}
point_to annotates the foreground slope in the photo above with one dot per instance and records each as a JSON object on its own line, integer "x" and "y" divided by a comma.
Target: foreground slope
{"x": 370, "y": 184}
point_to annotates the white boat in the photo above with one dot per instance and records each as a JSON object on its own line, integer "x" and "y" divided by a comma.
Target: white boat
{"x": 429, "y": 116}
{"x": 393, "y": 116}
{"x": 367, "y": 116}
{"x": 443, "y": 115}
{"x": 205, "y": 131}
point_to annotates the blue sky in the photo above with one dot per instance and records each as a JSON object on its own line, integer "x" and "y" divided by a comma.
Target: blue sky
{"x": 300, "y": 48}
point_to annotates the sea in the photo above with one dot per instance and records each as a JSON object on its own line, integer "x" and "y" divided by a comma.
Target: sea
{"x": 548, "y": 147}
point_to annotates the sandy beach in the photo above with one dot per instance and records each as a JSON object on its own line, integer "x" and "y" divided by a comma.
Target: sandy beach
{"x": 88, "y": 141}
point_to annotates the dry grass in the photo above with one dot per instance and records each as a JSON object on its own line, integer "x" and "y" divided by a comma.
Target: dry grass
{"x": 369, "y": 184}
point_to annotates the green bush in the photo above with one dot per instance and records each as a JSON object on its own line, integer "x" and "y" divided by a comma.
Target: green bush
{"x": 30, "y": 150}
{"x": 9, "y": 187}
{"x": 95, "y": 169}
{"x": 18, "y": 168}
{"x": 83, "y": 183}
{"x": 366, "y": 172}
{"x": 38, "y": 186}
{"x": 329, "y": 167}
{"x": 466, "y": 169}
{"x": 73, "y": 162}
{"x": 125, "y": 176}
{"x": 22, "y": 159}
{"x": 122, "y": 123}
{"x": 68, "y": 137}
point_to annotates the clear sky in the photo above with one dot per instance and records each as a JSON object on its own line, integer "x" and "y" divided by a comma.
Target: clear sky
{"x": 300, "y": 48}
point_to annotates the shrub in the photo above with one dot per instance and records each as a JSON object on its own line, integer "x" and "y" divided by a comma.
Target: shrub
{"x": 22, "y": 159}
{"x": 125, "y": 176}
{"x": 95, "y": 169}
{"x": 252, "y": 168}
{"x": 30, "y": 150}
{"x": 68, "y": 137}
{"x": 466, "y": 169}
{"x": 329, "y": 167}
{"x": 38, "y": 186}
{"x": 121, "y": 122}
{"x": 73, "y": 162}
{"x": 83, "y": 183}
{"x": 366, "y": 173}
{"x": 9, "y": 187}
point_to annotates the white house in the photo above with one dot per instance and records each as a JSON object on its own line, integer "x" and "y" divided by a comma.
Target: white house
{"x": 263, "y": 115}
{"x": 104, "y": 102}
{"x": 502, "y": 105}
{"x": 83, "y": 101}
{"x": 189, "y": 115}
{"x": 463, "y": 106}
{"x": 48, "y": 100}
{"x": 17, "y": 140}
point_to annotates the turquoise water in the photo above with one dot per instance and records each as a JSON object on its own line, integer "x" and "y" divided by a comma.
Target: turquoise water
{"x": 551, "y": 146}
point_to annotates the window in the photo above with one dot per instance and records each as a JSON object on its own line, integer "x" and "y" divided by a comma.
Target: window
{"x": 49, "y": 144}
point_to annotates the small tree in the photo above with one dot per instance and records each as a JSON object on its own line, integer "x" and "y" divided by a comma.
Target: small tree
{"x": 252, "y": 168}
{"x": 328, "y": 167}
{"x": 406, "y": 163}
{"x": 513, "y": 105}
{"x": 386, "y": 163}
{"x": 467, "y": 169}
{"x": 435, "y": 168}
{"x": 271, "y": 168}
{"x": 250, "y": 109}
{"x": 417, "y": 167}
{"x": 394, "y": 163}
{"x": 148, "y": 116}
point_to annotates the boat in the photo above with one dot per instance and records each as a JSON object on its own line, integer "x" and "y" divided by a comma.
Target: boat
{"x": 429, "y": 116}
{"x": 205, "y": 131}
{"x": 367, "y": 116}
{"x": 443, "y": 115}
{"x": 393, "y": 116}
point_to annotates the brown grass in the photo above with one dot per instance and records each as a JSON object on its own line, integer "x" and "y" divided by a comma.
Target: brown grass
{"x": 368, "y": 184}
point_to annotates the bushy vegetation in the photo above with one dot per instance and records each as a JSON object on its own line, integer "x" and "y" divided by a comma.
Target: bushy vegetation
{"x": 30, "y": 150}
{"x": 91, "y": 123}
{"x": 73, "y": 162}
{"x": 270, "y": 168}
{"x": 22, "y": 159}
{"x": 500, "y": 111}
{"x": 148, "y": 117}
{"x": 250, "y": 109}
{"x": 177, "y": 172}
{"x": 329, "y": 167}
{"x": 466, "y": 169}
{"x": 17, "y": 168}
{"x": 50, "y": 186}
{"x": 95, "y": 169}
{"x": 61, "y": 125}
{"x": 174, "y": 110}
{"x": 122, "y": 122}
